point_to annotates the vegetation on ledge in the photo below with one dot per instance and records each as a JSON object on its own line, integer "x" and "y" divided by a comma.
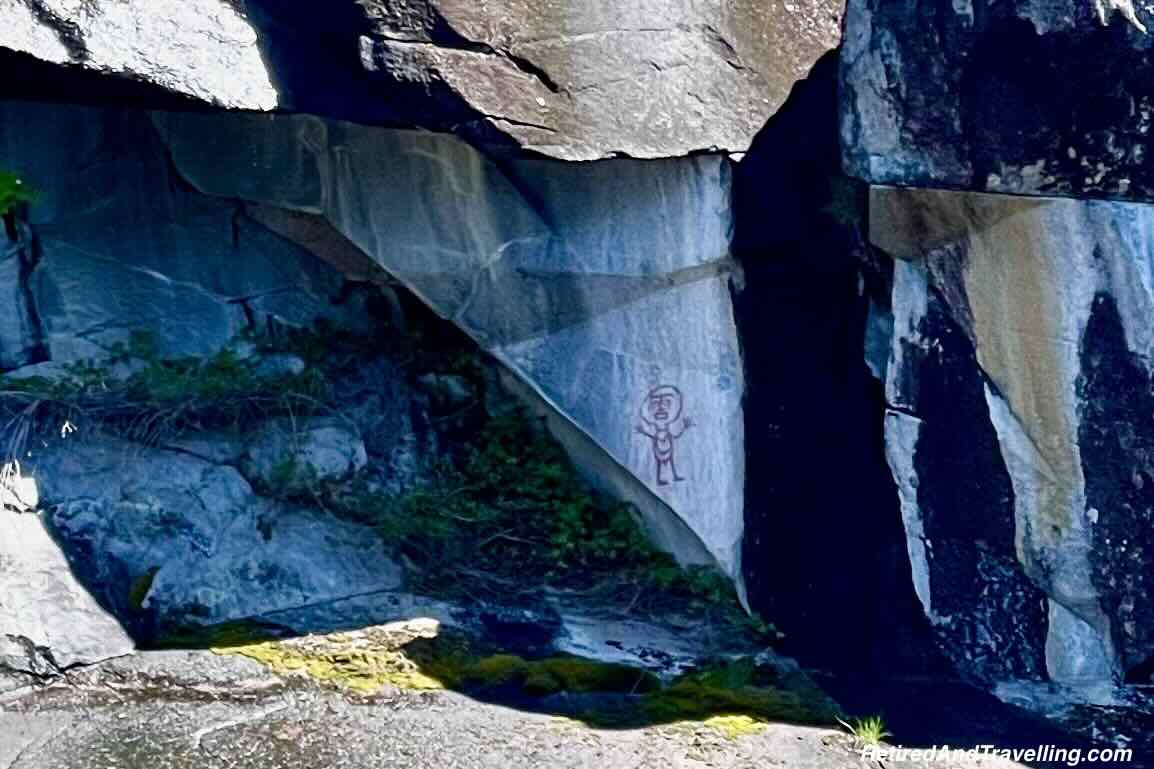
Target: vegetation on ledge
{"x": 510, "y": 506}
{"x": 502, "y": 515}
{"x": 735, "y": 697}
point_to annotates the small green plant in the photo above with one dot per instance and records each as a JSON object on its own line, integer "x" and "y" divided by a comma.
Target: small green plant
{"x": 509, "y": 504}
{"x": 138, "y": 590}
{"x": 138, "y": 394}
{"x": 871, "y": 730}
{"x": 13, "y": 192}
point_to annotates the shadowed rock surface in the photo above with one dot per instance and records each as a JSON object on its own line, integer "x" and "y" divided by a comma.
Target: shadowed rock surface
{"x": 1017, "y": 97}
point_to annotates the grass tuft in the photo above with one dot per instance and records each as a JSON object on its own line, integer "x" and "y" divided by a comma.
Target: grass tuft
{"x": 870, "y": 731}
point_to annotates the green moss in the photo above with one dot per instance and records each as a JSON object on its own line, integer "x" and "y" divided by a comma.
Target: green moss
{"x": 691, "y": 701}
{"x": 410, "y": 656}
{"x": 577, "y": 675}
{"x": 736, "y": 688}
{"x": 139, "y": 588}
{"x": 360, "y": 670}
{"x": 736, "y": 698}
{"x": 735, "y": 727}
{"x": 552, "y": 675}
{"x": 219, "y": 637}
{"x": 496, "y": 670}
{"x": 13, "y": 192}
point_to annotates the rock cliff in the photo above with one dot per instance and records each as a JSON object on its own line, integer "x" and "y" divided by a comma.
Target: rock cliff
{"x": 288, "y": 278}
{"x": 1021, "y": 97}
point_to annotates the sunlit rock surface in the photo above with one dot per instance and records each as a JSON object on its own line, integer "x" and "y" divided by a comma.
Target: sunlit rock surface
{"x": 573, "y": 80}
{"x": 48, "y": 621}
{"x": 205, "y": 49}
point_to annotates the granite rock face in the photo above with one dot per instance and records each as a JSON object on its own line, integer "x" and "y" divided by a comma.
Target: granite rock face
{"x": 121, "y": 244}
{"x": 166, "y": 538}
{"x": 577, "y": 81}
{"x": 1018, "y": 431}
{"x": 48, "y": 621}
{"x": 291, "y": 455}
{"x": 1017, "y": 97}
{"x": 605, "y": 287}
{"x": 204, "y": 49}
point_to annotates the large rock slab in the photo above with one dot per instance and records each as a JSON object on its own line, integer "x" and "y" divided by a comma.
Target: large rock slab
{"x": 574, "y": 80}
{"x": 603, "y": 286}
{"x": 48, "y": 620}
{"x": 1019, "y": 431}
{"x": 205, "y": 49}
{"x": 1029, "y": 97}
{"x": 166, "y": 538}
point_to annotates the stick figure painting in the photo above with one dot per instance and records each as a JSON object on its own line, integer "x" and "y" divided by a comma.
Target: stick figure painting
{"x": 660, "y": 411}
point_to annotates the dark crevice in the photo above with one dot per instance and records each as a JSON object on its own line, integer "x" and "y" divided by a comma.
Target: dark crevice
{"x": 27, "y": 78}
{"x": 30, "y": 259}
{"x": 1116, "y": 397}
{"x": 814, "y": 413}
{"x": 531, "y": 69}
{"x": 522, "y": 123}
{"x": 67, "y": 31}
{"x": 24, "y": 248}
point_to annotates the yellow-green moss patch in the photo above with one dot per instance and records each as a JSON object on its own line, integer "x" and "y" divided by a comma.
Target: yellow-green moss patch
{"x": 362, "y": 661}
{"x": 360, "y": 670}
{"x": 734, "y": 727}
{"x": 416, "y": 655}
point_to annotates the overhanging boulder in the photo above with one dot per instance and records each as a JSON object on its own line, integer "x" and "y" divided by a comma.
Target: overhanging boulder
{"x": 573, "y": 80}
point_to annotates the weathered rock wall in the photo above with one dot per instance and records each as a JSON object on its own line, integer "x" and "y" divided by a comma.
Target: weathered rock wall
{"x": 598, "y": 284}
{"x": 603, "y": 286}
{"x": 123, "y": 243}
{"x": 1018, "y": 97}
{"x": 1018, "y": 389}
